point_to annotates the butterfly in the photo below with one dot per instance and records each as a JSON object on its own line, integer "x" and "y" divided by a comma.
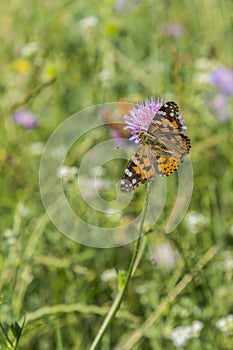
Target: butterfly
{"x": 162, "y": 149}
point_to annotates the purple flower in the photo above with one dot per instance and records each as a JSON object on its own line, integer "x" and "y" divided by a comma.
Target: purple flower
{"x": 118, "y": 137}
{"x": 119, "y": 5}
{"x": 223, "y": 78}
{"x": 115, "y": 123}
{"x": 25, "y": 118}
{"x": 221, "y": 108}
{"x": 175, "y": 30}
{"x": 141, "y": 117}
{"x": 164, "y": 256}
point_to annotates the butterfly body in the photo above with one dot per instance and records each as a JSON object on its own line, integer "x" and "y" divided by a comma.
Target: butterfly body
{"x": 162, "y": 148}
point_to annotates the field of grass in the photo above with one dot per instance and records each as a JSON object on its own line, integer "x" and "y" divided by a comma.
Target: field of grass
{"x": 57, "y": 59}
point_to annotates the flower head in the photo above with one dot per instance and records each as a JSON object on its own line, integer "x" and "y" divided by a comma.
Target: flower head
{"x": 181, "y": 335}
{"x": 29, "y": 49}
{"x": 88, "y": 22}
{"x": 196, "y": 221}
{"x": 174, "y": 30}
{"x": 164, "y": 256}
{"x": 109, "y": 275}
{"x": 223, "y": 78}
{"x": 67, "y": 173}
{"x": 25, "y": 118}
{"x": 87, "y": 27}
{"x": 221, "y": 107}
{"x": 119, "y": 5}
{"x": 225, "y": 324}
{"x": 141, "y": 117}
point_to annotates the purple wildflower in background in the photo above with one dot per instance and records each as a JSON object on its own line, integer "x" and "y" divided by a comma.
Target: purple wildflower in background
{"x": 223, "y": 78}
{"x": 164, "y": 256}
{"x": 25, "y": 119}
{"x": 221, "y": 108}
{"x": 119, "y": 5}
{"x": 117, "y": 135}
{"x": 141, "y": 117}
{"x": 174, "y": 30}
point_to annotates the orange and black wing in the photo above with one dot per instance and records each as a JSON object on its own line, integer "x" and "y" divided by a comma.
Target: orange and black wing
{"x": 139, "y": 170}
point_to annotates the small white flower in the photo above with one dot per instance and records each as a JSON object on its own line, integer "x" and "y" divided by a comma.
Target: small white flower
{"x": 27, "y": 277}
{"x": 204, "y": 64}
{"x": 225, "y": 324}
{"x": 88, "y": 22}
{"x": 202, "y": 78}
{"x": 11, "y": 240}
{"x": 164, "y": 256}
{"x": 23, "y": 210}
{"x": 62, "y": 171}
{"x": 228, "y": 264}
{"x": 194, "y": 221}
{"x": 67, "y": 173}
{"x": 196, "y": 327}
{"x": 73, "y": 170}
{"x": 37, "y": 148}
{"x": 8, "y": 233}
{"x": 180, "y": 335}
{"x": 87, "y": 27}
{"x": 109, "y": 275}
{"x": 29, "y": 49}
{"x": 105, "y": 75}
{"x": 10, "y": 236}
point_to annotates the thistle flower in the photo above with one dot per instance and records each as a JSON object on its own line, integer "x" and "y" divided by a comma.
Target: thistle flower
{"x": 223, "y": 78}
{"x": 141, "y": 117}
{"x": 25, "y": 118}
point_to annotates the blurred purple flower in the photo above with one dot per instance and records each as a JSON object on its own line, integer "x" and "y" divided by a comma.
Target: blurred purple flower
{"x": 115, "y": 123}
{"x": 25, "y": 118}
{"x": 117, "y": 135}
{"x": 119, "y": 5}
{"x": 175, "y": 30}
{"x": 221, "y": 108}
{"x": 141, "y": 117}
{"x": 164, "y": 256}
{"x": 223, "y": 78}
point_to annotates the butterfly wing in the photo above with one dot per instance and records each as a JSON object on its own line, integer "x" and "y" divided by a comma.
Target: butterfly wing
{"x": 166, "y": 130}
{"x": 166, "y": 119}
{"x": 139, "y": 170}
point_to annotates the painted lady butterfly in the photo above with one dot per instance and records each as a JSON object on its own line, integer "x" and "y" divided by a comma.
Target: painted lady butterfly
{"x": 162, "y": 149}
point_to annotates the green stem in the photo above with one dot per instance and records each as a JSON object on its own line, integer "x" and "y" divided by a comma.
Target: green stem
{"x": 120, "y": 295}
{"x": 5, "y": 335}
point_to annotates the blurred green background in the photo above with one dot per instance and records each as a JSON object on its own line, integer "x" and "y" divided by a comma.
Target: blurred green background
{"x": 58, "y": 57}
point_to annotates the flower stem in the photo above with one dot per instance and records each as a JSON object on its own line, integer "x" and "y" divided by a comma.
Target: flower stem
{"x": 120, "y": 295}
